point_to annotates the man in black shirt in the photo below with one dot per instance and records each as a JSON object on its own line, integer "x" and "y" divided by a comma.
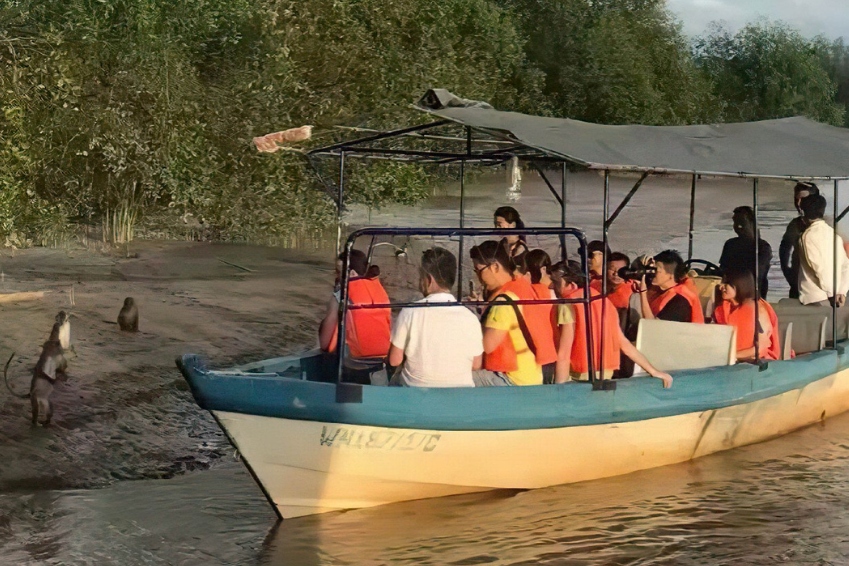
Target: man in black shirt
{"x": 738, "y": 254}
{"x": 667, "y": 303}
{"x": 788, "y": 251}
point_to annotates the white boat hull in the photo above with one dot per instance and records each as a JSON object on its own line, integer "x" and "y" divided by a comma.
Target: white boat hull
{"x": 308, "y": 467}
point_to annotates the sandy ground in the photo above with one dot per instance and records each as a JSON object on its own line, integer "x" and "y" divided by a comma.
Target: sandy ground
{"x": 125, "y": 412}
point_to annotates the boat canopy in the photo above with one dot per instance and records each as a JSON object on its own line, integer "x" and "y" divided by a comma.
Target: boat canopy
{"x": 790, "y": 148}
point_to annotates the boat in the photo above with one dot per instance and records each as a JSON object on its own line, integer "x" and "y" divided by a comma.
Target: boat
{"x": 315, "y": 442}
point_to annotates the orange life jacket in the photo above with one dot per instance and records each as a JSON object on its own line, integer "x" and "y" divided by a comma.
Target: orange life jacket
{"x": 543, "y": 315}
{"x": 620, "y": 297}
{"x": 503, "y": 358}
{"x": 742, "y": 318}
{"x": 366, "y": 330}
{"x": 579, "y": 362}
{"x": 685, "y": 290}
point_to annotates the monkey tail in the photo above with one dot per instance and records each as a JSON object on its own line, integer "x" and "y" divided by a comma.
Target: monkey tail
{"x": 6, "y": 379}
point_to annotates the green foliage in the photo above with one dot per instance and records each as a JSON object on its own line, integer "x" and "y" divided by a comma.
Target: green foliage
{"x": 121, "y": 111}
{"x": 614, "y": 61}
{"x": 768, "y": 70}
{"x": 115, "y": 108}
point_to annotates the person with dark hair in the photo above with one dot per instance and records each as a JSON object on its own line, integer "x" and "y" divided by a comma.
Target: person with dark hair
{"x": 538, "y": 265}
{"x": 366, "y": 330}
{"x": 509, "y": 347}
{"x": 672, "y": 299}
{"x": 595, "y": 256}
{"x": 739, "y": 252}
{"x": 618, "y": 290}
{"x": 437, "y": 346}
{"x": 816, "y": 257}
{"x": 508, "y": 217}
{"x": 737, "y": 309}
{"x": 788, "y": 251}
{"x": 572, "y": 347}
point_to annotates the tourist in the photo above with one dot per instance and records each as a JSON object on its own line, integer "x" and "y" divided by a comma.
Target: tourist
{"x": 507, "y": 217}
{"x": 739, "y": 253}
{"x": 436, "y": 346}
{"x": 619, "y": 291}
{"x": 788, "y": 251}
{"x": 573, "y": 351}
{"x": 671, "y": 297}
{"x": 366, "y": 330}
{"x": 509, "y": 351}
{"x": 816, "y": 257}
{"x": 595, "y": 257}
{"x": 737, "y": 309}
{"x": 538, "y": 265}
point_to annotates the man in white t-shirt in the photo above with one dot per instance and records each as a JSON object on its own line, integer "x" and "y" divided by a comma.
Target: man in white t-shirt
{"x": 436, "y": 346}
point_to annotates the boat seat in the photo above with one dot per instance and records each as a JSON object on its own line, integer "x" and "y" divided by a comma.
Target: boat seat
{"x": 785, "y": 338}
{"x": 706, "y": 290}
{"x": 811, "y": 324}
{"x": 683, "y": 345}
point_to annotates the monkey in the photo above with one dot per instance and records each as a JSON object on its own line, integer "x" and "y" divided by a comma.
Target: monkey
{"x": 63, "y": 319}
{"x": 128, "y": 318}
{"x": 51, "y": 366}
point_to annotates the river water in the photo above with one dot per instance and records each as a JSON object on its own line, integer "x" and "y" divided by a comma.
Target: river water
{"x": 781, "y": 501}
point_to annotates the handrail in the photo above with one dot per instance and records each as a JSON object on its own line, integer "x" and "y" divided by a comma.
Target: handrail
{"x": 452, "y": 232}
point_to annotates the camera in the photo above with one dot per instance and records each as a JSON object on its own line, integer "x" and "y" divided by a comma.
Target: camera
{"x": 636, "y": 272}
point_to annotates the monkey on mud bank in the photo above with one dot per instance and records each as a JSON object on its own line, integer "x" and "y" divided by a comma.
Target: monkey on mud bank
{"x": 128, "y": 318}
{"x": 51, "y": 366}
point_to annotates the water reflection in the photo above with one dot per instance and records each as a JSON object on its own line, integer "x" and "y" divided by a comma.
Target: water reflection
{"x": 781, "y": 501}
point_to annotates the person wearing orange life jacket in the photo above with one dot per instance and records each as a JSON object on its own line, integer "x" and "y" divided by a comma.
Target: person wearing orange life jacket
{"x": 673, "y": 297}
{"x": 619, "y": 291}
{"x": 595, "y": 255}
{"x": 573, "y": 350}
{"x": 538, "y": 264}
{"x": 737, "y": 309}
{"x": 366, "y": 330}
{"x": 509, "y": 347}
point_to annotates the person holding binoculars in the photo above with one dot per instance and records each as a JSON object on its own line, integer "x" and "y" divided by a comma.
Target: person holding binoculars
{"x": 665, "y": 290}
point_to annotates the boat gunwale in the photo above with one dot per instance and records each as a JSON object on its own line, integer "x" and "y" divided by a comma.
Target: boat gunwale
{"x": 505, "y": 408}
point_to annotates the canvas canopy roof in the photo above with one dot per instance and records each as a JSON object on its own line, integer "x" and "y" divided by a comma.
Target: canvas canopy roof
{"x": 796, "y": 148}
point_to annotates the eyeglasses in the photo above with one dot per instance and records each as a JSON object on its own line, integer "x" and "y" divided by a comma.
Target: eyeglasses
{"x": 479, "y": 271}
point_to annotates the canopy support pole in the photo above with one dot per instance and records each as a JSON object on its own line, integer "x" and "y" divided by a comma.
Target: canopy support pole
{"x": 597, "y": 376}
{"x": 761, "y": 365}
{"x": 564, "y": 172}
{"x": 339, "y": 200}
{"x": 834, "y": 273}
{"x": 542, "y": 174}
{"x": 625, "y": 201}
{"x": 692, "y": 217}
{"x": 462, "y": 225}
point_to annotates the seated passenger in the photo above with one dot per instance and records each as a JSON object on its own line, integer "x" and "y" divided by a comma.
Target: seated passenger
{"x": 739, "y": 253}
{"x": 816, "y": 257}
{"x": 508, "y": 217}
{"x": 595, "y": 256}
{"x": 672, "y": 298}
{"x": 538, "y": 265}
{"x": 737, "y": 309}
{"x": 573, "y": 351}
{"x": 436, "y": 346}
{"x": 619, "y": 291}
{"x": 366, "y": 330}
{"x": 509, "y": 351}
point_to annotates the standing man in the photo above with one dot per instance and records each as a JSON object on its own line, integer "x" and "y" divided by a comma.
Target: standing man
{"x": 788, "y": 251}
{"x": 816, "y": 258}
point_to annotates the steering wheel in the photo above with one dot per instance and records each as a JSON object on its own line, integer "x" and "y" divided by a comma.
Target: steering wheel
{"x": 709, "y": 268}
